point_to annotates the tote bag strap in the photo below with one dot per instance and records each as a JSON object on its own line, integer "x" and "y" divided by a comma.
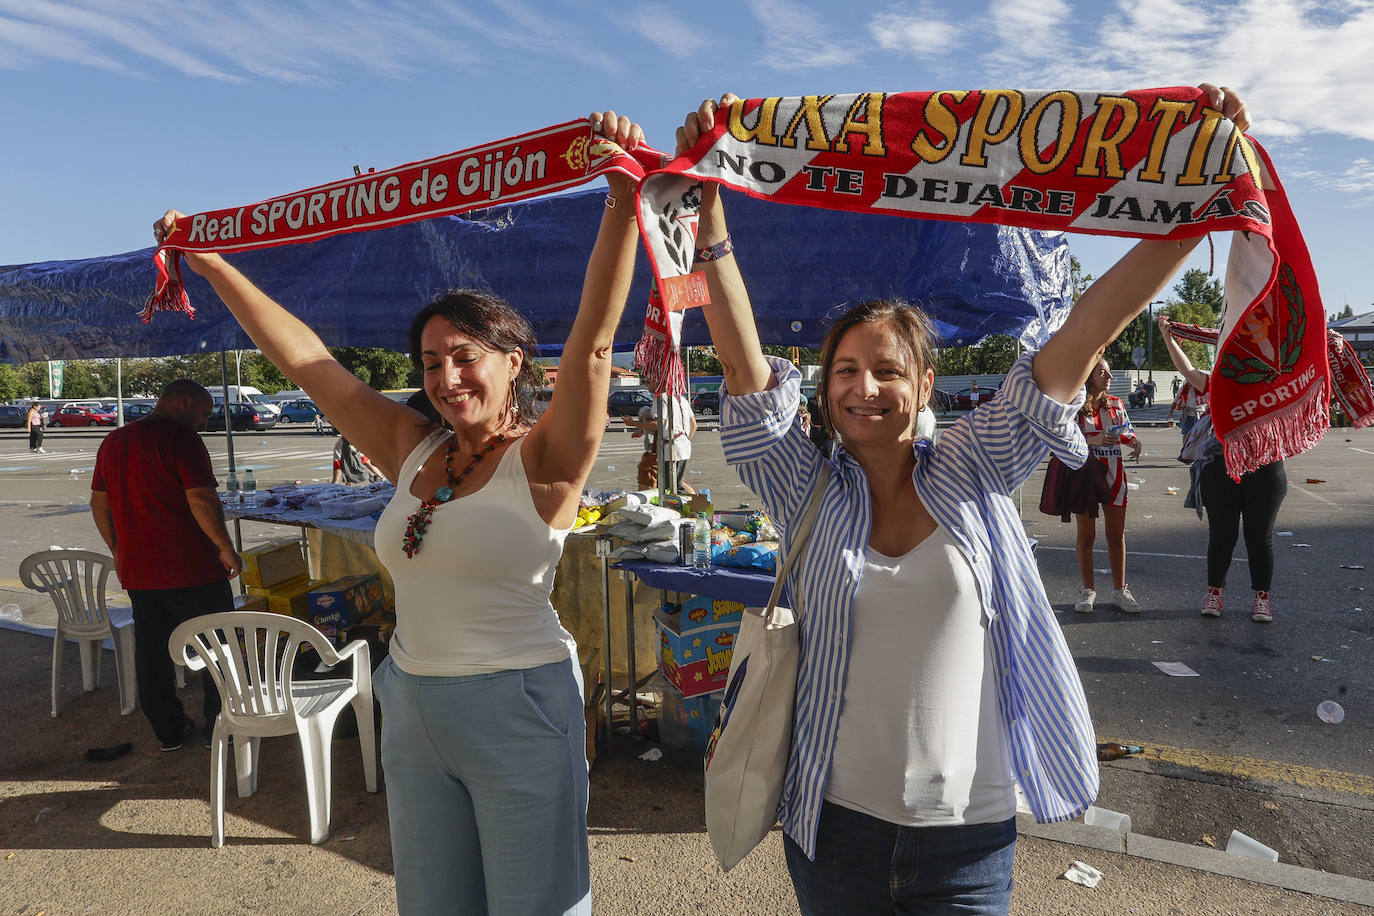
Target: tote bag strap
{"x": 800, "y": 537}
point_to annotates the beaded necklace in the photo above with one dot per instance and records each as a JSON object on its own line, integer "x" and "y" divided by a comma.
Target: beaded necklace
{"x": 418, "y": 523}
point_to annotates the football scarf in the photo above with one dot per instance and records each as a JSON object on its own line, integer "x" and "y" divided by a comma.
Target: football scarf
{"x": 1157, "y": 164}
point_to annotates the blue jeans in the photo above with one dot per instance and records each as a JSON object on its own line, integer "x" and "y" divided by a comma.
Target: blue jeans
{"x": 486, "y": 784}
{"x": 866, "y": 865}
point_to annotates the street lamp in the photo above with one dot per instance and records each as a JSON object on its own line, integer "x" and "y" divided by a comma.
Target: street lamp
{"x": 1150, "y": 335}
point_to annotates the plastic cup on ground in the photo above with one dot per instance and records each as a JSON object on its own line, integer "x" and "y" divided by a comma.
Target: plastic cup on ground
{"x": 1241, "y": 845}
{"x": 1329, "y": 711}
{"x": 1104, "y": 817}
{"x": 11, "y": 612}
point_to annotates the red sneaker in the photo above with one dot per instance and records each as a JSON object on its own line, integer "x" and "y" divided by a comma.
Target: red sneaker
{"x": 1211, "y": 605}
{"x": 1261, "y": 612}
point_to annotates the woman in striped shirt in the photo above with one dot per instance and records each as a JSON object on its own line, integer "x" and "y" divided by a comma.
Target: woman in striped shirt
{"x": 934, "y": 676}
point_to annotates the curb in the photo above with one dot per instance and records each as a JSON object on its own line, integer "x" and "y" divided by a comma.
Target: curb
{"x": 1200, "y": 858}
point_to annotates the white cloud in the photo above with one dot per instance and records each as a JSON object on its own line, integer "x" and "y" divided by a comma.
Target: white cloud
{"x": 921, "y": 31}
{"x": 1032, "y": 25}
{"x": 795, "y": 38}
{"x": 24, "y": 37}
{"x": 665, "y": 27}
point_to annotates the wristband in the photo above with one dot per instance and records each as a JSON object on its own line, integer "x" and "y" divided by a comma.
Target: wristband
{"x": 715, "y": 252}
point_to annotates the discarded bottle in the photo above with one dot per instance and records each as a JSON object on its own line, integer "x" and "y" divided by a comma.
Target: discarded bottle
{"x": 1110, "y": 750}
{"x": 12, "y": 613}
{"x": 701, "y": 542}
{"x": 233, "y": 487}
{"x": 250, "y": 486}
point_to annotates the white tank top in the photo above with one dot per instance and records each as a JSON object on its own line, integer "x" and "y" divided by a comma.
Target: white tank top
{"x": 920, "y": 741}
{"x": 475, "y": 598}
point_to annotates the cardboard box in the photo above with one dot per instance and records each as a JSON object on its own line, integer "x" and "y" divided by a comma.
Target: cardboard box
{"x": 270, "y": 564}
{"x": 293, "y": 597}
{"x": 711, "y": 612}
{"x": 687, "y": 722}
{"x": 252, "y": 601}
{"x": 696, "y": 660}
{"x": 344, "y": 603}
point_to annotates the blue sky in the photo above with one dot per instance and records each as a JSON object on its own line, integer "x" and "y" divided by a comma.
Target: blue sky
{"x": 115, "y": 110}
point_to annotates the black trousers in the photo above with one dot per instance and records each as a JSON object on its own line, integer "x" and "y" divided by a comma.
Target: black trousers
{"x": 35, "y": 437}
{"x": 1252, "y": 503}
{"x": 157, "y": 612}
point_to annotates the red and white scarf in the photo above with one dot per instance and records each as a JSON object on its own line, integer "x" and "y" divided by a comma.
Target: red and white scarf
{"x": 1349, "y": 384}
{"x": 1155, "y": 163}
{"x": 539, "y": 162}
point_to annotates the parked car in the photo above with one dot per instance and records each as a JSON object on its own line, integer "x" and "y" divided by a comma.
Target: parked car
{"x": 72, "y": 415}
{"x": 942, "y": 402}
{"x": 706, "y": 402}
{"x": 246, "y": 416}
{"x": 627, "y": 402}
{"x": 137, "y": 411}
{"x": 301, "y": 410}
{"x": 13, "y": 416}
{"x": 963, "y": 400}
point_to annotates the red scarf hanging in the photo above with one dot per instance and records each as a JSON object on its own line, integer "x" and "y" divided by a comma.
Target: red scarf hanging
{"x": 539, "y": 162}
{"x": 1349, "y": 383}
{"x": 1153, "y": 163}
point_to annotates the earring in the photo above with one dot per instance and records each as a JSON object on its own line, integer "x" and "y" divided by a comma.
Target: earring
{"x": 513, "y": 404}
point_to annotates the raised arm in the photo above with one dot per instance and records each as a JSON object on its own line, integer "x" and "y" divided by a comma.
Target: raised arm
{"x": 562, "y": 446}
{"x": 1107, "y": 306}
{"x": 380, "y": 427}
{"x": 1195, "y": 377}
{"x": 730, "y": 315}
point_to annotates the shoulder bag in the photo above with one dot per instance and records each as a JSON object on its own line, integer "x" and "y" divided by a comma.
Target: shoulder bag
{"x": 746, "y": 755}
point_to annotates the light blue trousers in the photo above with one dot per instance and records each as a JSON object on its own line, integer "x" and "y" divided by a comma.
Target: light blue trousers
{"x": 486, "y": 786}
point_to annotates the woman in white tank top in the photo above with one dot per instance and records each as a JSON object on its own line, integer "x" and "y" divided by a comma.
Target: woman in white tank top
{"x": 483, "y": 738}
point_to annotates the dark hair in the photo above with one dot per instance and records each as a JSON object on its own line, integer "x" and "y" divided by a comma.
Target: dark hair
{"x": 186, "y": 388}
{"x": 912, "y": 326}
{"x": 492, "y": 322}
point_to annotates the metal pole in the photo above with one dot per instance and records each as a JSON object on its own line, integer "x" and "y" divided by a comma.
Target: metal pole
{"x": 1150, "y": 339}
{"x": 119, "y": 391}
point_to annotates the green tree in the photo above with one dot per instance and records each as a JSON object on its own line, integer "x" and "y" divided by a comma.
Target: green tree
{"x": 1187, "y": 313}
{"x": 1077, "y": 279}
{"x": 1346, "y": 312}
{"x": 1195, "y": 287}
{"x": 11, "y": 386}
{"x": 382, "y": 369}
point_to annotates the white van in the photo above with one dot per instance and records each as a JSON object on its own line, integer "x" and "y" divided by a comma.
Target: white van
{"x": 246, "y": 394}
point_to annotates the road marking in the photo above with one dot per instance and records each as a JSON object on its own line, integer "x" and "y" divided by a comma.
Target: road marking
{"x": 1308, "y": 492}
{"x": 1141, "y": 553}
{"x": 1362, "y": 451}
{"x": 1253, "y": 768}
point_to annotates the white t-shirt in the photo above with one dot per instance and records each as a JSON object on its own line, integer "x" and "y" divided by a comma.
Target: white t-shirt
{"x": 920, "y": 741}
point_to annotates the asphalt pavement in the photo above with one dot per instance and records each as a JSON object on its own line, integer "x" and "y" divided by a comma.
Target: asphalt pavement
{"x": 1240, "y": 746}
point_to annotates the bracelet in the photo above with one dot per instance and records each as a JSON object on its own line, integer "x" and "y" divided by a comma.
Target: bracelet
{"x": 715, "y": 252}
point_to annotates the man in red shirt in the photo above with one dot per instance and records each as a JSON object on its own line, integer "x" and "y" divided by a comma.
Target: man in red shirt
{"x": 154, "y": 499}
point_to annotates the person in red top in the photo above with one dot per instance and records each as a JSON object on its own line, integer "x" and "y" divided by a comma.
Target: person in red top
{"x": 154, "y": 499}
{"x": 1106, "y": 427}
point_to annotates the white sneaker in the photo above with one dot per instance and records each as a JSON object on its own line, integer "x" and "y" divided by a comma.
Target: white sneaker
{"x": 1086, "y": 597}
{"x": 1123, "y": 599}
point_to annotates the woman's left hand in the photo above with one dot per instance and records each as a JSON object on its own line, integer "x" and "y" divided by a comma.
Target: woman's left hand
{"x": 1223, "y": 99}
{"x": 1135, "y": 450}
{"x": 627, "y": 135}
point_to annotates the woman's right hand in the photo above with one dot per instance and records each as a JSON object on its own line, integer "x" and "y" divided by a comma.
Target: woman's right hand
{"x": 701, "y": 121}
{"x": 1163, "y": 322}
{"x": 163, "y": 227}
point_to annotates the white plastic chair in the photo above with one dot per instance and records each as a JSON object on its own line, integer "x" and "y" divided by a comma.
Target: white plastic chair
{"x": 75, "y": 580}
{"x": 249, "y": 655}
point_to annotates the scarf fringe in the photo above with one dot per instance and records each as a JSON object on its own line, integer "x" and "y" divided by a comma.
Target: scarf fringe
{"x": 660, "y": 364}
{"x": 169, "y": 295}
{"x": 1290, "y": 430}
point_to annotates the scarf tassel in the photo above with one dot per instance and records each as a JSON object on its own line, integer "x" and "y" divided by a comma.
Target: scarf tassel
{"x": 1290, "y": 430}
{"x": 169, "y": 295}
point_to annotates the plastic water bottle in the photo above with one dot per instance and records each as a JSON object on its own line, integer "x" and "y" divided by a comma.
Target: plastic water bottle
{"x": 701, "y": 542}
{"x": 250, "y": 486}
{"x": 12, "y": 613}
{"x": 233, "y": 487}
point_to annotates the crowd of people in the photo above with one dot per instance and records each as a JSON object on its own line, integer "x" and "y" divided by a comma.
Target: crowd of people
{"x": 915, "y": 719}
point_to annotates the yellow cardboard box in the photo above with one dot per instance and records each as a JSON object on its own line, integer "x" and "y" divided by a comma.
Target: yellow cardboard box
{"x": 292, "y": 597}
{"x": 273, "y": 563}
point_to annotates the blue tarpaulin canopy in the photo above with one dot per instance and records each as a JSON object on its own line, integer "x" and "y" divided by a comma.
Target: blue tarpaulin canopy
{"x": 802, "y": 266}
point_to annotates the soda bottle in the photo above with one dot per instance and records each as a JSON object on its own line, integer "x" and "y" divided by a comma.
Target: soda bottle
{"x": 701, "y": 542}
{"x": 233, "y": 487}
{"x": 1110, "y": 750}
{"x": 250, "y": 486}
